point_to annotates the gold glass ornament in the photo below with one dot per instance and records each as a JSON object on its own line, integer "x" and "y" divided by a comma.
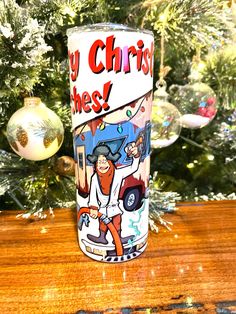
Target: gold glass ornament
{"x": 35, "y": 132}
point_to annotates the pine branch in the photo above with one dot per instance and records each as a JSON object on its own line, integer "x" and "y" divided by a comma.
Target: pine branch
{"x": 35, "y": 186}
{"x": 195, "y": 22}
{"x": 220, "y": 74}
{"x": 22, "y": 50}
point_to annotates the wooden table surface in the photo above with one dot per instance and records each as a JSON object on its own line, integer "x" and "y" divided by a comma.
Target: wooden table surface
{"x": 190, "y": 269}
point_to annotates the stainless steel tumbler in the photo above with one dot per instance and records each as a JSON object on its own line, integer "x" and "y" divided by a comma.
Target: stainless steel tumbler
{"x": 111, "y": 80}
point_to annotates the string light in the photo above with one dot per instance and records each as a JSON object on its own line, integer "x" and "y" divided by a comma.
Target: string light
{"x": 120, "y": 129}
{"x": 210, "y": 157}
{"x": 128, "y": 113}
{"x": 190, "y": 165}
{"x": 102, "y": 126}
{"x": 142, "y": 109}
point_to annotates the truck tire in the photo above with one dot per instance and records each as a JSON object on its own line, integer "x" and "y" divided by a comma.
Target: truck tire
{"x": 132, "y": 199}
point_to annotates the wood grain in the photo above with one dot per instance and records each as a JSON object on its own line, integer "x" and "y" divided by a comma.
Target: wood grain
{"x": 188, "y": 270}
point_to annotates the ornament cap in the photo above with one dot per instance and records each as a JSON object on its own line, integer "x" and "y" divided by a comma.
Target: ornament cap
{"x": 195, "y": 76}
{"x": 196, "y": 70}
{"x": 161, "y": 90}
{"x": 32, "y": 101}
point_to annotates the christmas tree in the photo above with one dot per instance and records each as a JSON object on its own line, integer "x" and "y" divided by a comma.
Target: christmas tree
{"x": 201, "y": 164}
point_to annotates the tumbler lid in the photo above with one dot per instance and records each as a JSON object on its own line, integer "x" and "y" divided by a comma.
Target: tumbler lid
{"x": 106, "y": 27}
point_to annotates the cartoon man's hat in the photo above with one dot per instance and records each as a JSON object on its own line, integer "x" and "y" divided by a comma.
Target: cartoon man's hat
{"x": 104, "y": 150}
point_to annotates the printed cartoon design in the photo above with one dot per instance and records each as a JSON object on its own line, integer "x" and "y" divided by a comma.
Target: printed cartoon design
{"x": 112, "y": 182}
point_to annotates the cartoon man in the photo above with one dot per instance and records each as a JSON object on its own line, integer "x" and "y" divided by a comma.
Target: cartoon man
{"x": 105, "y": 187}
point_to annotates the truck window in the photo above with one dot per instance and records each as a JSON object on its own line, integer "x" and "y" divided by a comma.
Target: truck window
{"x": 80, "y": 161}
